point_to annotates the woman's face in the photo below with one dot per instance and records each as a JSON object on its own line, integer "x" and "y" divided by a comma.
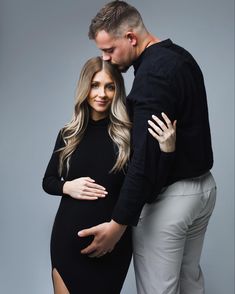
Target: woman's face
{"x": 101, "y": 95}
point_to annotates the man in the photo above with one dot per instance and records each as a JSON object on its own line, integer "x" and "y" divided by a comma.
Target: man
{"x": 171, "y": 227}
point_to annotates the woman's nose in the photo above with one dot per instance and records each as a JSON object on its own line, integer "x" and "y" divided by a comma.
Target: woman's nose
{"x": 101, "y": 92}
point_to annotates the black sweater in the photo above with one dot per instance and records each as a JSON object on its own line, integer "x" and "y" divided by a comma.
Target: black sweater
{"x": 168, "y": 79}
{"x": 94, "y": 157}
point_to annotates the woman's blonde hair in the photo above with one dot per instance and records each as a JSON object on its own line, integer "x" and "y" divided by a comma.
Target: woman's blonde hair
{"x": 119, "y": 126}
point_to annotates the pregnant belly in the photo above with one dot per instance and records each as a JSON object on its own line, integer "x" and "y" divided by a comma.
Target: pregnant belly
{"x": 75, "y": 215}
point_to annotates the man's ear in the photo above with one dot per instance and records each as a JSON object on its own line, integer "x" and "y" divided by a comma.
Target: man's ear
{"x": 132, "y": 38}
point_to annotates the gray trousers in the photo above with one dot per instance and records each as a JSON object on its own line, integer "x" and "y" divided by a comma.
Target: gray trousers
{"x": 169, "y": 238}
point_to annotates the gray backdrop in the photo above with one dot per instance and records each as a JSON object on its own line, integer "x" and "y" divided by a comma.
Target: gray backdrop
{"x": 43, "y": 46}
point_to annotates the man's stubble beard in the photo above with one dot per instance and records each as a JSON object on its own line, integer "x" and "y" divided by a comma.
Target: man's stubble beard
{"x": 122, "y": 69}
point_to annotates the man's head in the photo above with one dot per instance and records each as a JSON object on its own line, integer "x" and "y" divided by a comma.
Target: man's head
{"x": 117, "y": 29}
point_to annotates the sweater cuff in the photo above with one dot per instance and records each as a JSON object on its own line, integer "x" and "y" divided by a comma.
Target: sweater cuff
{"x": 127, "y": 213}
{"x": 60, "y": 187}
{"x": 127, "y": 221}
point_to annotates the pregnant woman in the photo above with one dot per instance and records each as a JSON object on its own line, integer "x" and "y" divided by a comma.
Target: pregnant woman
{"x": 87, "y": 169}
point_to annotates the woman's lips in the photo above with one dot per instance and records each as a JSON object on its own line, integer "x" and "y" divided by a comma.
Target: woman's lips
{"x": 101, "y": 102}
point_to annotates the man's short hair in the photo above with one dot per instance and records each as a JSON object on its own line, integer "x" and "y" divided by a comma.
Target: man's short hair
{"x": 113, "y": 17}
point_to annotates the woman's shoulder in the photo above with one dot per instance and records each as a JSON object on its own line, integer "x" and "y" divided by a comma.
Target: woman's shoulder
{"x": 59, "y": 143}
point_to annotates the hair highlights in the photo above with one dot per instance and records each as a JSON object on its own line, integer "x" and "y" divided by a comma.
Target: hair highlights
{"x": 119, "y": 127}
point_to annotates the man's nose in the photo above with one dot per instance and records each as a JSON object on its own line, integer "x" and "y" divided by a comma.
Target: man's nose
{"x": 106, "y": 57}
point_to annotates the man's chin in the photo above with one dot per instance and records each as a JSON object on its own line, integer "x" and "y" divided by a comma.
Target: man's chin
{"x": 121, "y": 68}
{"x": 124, "y": 69}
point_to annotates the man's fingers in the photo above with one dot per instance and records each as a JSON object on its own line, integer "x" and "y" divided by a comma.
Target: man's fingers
{"x": 87, "y": 232}
{"x": 90, "y": 249}
{"x": 96, "y": 254}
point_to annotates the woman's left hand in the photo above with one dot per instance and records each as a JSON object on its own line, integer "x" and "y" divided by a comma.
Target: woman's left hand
{"x": 163, "y": 132}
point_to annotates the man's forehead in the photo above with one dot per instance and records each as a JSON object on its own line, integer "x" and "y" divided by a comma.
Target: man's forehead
{"x": 104, "y": 37}
{"x": 105, "y": 41}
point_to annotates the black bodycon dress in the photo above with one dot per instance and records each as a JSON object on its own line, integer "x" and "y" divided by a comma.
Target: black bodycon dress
{"x": 94, "y": 157}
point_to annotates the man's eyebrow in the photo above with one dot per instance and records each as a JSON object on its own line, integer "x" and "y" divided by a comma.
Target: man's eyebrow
{"x": 106, "y": 49}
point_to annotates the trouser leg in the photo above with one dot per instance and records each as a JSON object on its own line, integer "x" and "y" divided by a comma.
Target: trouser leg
{"x": 164, "y": 244}
{"x": 191, "y": 276}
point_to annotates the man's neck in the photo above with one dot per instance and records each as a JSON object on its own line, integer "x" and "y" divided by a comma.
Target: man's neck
{"x": 146, "y": 42}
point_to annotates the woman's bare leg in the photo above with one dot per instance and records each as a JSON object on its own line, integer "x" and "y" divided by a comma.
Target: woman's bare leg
{"x": 59, "y": 285}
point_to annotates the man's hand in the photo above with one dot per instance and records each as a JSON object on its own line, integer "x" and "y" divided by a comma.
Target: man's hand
{"x": 106, "y": 235}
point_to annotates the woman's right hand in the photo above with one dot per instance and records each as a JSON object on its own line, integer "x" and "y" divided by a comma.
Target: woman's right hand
{"x": 84, "y": 188}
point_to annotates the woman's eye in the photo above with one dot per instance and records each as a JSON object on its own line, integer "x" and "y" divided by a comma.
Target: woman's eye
{"x": 111, "y": 87}
{"x": 94, "y": 86}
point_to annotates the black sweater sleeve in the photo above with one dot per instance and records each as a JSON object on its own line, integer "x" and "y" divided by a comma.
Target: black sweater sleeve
{"x": 165, "y": 166}
{"x": 52, "y": 182}
{"x": 149, "y": 167}
{"x": 168, "y": 79}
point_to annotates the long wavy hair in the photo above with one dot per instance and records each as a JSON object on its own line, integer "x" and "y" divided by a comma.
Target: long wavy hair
{"x": 119, "y": 126}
